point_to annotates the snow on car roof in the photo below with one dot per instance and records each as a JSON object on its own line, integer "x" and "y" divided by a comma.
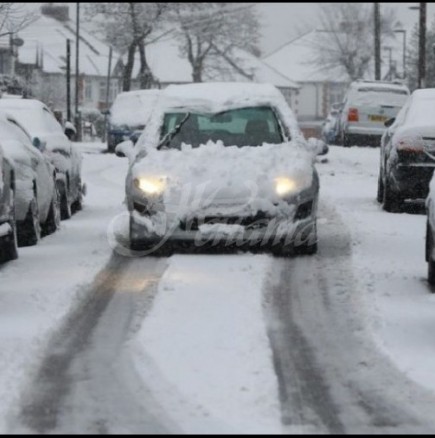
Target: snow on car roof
{"x": 21, "y": 103}
{"x": 216, "y": 95}
{"x": 381, "y": 85}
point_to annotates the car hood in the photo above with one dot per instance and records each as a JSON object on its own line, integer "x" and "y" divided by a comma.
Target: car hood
{"x": 215, "y": 177}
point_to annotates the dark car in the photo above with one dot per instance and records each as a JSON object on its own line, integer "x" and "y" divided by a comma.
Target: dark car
{"x": 408, "y": 152}
{"x": 128, "y": 115}
{"x": 8, "y": 230}
{"x": 37, "y": 209}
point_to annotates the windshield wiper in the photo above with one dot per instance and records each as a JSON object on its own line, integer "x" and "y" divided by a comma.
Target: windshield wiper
{"x": 171, "y": 134}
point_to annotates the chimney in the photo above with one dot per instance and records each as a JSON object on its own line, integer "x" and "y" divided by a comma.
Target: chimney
{"x": 59, "y": 12}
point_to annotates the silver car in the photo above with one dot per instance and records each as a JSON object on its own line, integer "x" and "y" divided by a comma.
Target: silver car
{"x": 223, "y": 163}
{"x": 49, "y": 135}
{"x": 37, "y": 208}
{"x": 366, "y": 106}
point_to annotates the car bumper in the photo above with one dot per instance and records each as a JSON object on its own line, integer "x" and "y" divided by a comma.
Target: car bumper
{"x": 412, "y": 180}
{"x": 246, "y": 232}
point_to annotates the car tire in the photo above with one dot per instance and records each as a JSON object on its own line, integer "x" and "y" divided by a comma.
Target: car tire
{"x": 65, "y": 207}
{"x": 309, "y": 245}
{"x": 52, "y": 223}
{"x": 29, "y": 231}
{"x": 345, "y": 140}
{"x": 392, "y": 203}
{"x": 9, "y": 243}
{"x": 380, "y": 194}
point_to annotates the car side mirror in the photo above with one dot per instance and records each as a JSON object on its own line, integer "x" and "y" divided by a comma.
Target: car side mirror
{"x": 389, "y": 122}
{"x": 125, "y": 149}
{"x": 317, "y": 146}
{"x": 40, "y": 145}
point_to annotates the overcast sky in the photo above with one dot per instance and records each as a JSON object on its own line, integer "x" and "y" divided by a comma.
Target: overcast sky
{"x": 283, "y": 21}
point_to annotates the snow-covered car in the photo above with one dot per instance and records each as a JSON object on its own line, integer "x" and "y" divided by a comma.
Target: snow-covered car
{"x": 366, "y": 106}
{"x": 128, "y": 115}
{"x": 48, "y": 135}
{"x": 407, "y": 158}
{"x": 8, "y": 229}
{"x": 224, "y": 162}
{"x": 37, "y": 203}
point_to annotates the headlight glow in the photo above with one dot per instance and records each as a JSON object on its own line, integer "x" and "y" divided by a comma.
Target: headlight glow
{"x": 150, "y": 186}
{"x": 285, "y": 186}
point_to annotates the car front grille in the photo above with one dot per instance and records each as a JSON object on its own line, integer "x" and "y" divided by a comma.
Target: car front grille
{"x": 260, "y": 220}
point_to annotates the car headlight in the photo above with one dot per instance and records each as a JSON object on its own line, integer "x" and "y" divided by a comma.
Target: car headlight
{"x": 150, "y": 186}
{"x": 286, "y": 186}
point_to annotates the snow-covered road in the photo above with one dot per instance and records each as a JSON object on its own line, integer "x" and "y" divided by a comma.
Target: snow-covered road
{"x": 241, "y": 343}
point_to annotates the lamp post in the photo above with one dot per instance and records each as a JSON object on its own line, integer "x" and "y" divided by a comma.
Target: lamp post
{"x": 421, "y": 44}
{"x": 390, "y": 61}
{"x": 403, "y": 50}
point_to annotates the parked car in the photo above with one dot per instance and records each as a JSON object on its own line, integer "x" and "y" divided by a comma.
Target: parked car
{"x": 366, "y": 106}
{"x": 407, "y": 157}
{"x": 8, "y": 229}
{"x": 128, "y": 115}
{"x": 47, "y": 134}
{"x": 224, "y": 162}
{"x": 37, "y": 203}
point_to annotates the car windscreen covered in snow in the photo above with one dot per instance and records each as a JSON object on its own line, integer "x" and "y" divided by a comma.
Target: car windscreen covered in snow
{"x": 250, "y": 126}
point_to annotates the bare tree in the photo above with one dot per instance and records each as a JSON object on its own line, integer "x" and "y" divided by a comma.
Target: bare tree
{"x": 128, "y": 27}
{"x": 210, "y": 33}
{"x": 14, "y": 17}
{"x": 345, "y": 41}
{"x": 412, "y": 57}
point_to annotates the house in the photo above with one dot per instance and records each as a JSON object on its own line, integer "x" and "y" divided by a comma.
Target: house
{"x": 319, "y": 88}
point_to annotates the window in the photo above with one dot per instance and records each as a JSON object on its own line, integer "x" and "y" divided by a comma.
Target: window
{"x": 88, "y": 90}
{"x": 239, "y": 127}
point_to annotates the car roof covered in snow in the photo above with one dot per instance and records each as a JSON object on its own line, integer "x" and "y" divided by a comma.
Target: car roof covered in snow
{"x": 21, "y": 103}
{"x": 215, "y": 96}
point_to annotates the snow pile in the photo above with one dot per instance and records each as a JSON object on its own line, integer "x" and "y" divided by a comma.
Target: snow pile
{"x": 202, "y": 179}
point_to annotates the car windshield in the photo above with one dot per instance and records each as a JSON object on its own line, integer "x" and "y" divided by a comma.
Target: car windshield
{"x": 240, "y": 127}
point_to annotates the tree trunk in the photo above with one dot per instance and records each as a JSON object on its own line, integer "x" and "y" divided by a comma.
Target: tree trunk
{"x": 197, "y": 72}
{"x": 145, "y": 74}
{"x": 128, "y": 69}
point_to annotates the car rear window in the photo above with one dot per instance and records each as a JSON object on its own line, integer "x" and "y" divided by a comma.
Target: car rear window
{"x": 380, "y": 96}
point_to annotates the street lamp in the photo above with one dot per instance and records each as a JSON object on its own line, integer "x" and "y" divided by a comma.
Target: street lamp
{"x": 390, "y": 62}
{"x": 421, "y": 44}
{"x": 403, "y": 50}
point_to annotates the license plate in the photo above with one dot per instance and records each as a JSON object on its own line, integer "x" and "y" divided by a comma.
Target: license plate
{"x": 377, "y": 118}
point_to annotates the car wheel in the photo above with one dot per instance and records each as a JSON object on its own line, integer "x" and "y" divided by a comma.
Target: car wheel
{"x": 345, "y": 141}
{"x": 391, "y": 201}
{"x": 65, "y": 206}
{"x": 380, "y": 194}
{"x": 52, "y": 223}
{"x": 308, "y": 246}
{"x": 9, "y": 243}
{"x": 29, "y": 231}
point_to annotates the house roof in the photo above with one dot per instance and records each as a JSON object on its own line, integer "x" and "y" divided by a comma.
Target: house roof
{"x": 170, "y": 66}
{"x": 45, "y": 43}
{"x": 296, "y": 59}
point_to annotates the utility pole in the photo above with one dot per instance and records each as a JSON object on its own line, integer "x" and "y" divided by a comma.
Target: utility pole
{"x": 68, "y": 79}
{"x": 77, "y": 115}
{"x": 377, "y": 20}
{"x": 107, "y": 92}
{"x": 422, "y": 47}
